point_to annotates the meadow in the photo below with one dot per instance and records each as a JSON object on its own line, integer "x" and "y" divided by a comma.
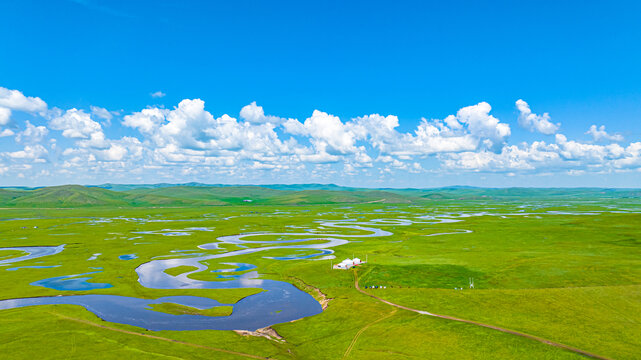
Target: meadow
{"x": 563, "y": 266}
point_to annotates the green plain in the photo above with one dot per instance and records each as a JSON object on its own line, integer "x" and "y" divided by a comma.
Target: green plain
{"x": 565, "y": 266}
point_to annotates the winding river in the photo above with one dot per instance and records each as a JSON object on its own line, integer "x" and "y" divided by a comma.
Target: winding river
{"x": 278, "y": 302}
{"x": 33, "y": 252}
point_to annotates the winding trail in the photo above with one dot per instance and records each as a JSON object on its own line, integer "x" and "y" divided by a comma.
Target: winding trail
{"x": 351, "y": 345}
{"x": 508, "y": 331}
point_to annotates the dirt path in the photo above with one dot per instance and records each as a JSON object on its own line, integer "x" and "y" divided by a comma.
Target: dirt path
{"x": 87, "y": 322}
{"x": 351, "y": 345}
{"x": 508, "y": 331}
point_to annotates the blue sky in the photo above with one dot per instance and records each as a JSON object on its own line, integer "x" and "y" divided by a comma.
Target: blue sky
{"x": 382, "y": 77}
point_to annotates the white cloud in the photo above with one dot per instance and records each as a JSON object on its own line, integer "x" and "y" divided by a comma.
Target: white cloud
{"x": 534, "y": 122}
{"x": 471, "y": 128}
{"x": 452, "y": 122}
{"x": 32, "y": 133}
{"x": 429, "y": 138}
{"x": 103, "y": 114}
{"x": 294, "y": 127}
{"x": 483, "y": 125}
{"x": 326, "y": 132}
{"x": 30, "y": 152}
{"x": 186, "y": 123}
{"x": 114, "y": 153}
{"x": 574, "y": 150}
{"x": 157, "y": 94}
{"x": 540, "y": 156}
{"x": 75, "y": 124}
{"x": 147, "y": 120}
{"x": 5, "y": 115}
{"x": 362, "y": 158}
{"x": 191, "y": 134}
{"x": 255, "y": 114}
{"x": 96, "y": 140}
{"x": 127, "y": 152}
{"x": 188, "y": 140}
{"x": 15, "y": 100}
{"x": 599, "y": 134}
{"x": 320, "y": 158}
{"x": 631, "y": 158}
{"x": 510, "y": 158}
{"x": 380, "y": 130}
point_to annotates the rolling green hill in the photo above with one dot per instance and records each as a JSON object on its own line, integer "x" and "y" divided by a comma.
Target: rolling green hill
{"x": 69, "y": 196}
{"x": 191, "y": 194}
{"x": 265, "y": 195}
{"x": 81, "y": 196}
{"x": 66, "y": 196}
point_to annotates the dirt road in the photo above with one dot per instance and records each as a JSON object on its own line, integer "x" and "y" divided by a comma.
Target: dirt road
{"x": 508, "y": 331}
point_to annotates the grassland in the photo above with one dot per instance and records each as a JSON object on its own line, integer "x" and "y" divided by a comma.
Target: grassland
{"x": 176, "y": 309}
{"x": 565, "y": 266}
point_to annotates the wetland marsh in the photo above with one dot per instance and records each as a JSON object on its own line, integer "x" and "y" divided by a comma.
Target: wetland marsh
{"x": 564, "y": 272}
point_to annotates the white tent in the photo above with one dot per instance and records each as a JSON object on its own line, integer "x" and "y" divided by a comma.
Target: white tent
{"x": 348, "y": 263}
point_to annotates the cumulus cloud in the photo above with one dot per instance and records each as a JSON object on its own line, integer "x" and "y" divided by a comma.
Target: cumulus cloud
{"x": 96, "y": 140}
{"x": 15, "y": 100}
{"x": 631, "y": 158}
{"x": 118, "y": 150}
{"x": 294, "y": 127}
{"x": 157, "y": 94}
{"x": 510, "y": 158}
{"x": 575, "y": 150}
{"x": 483, "y": 125}
{"x": 146, "y": 121}
{"x": 433, "y": 137}
{"x": 534, "y": 122}
{"x": 75, "y": 124}
{"x": 326, "y": 132}
{"x": 104, "y": 114}
{"x": 32, "y": 133}
{"x": 471, "y": 128}
{"x": 186, "y": 124}
{"x": 94, "y": 152}
{"x": 255, "y": 114}
{"x": 320, "y": 158}
{"x": 30, "y": 152}
{"x": 380, "y": 130}
{"x": 191, "y": 134}
{"x": 599, "y": 134}
{"x": 539, "y": 155}
{"x": 189, "y": 140}
{"x": 5, "y": 115}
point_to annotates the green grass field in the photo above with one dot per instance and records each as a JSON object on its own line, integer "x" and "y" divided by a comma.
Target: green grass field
{"x": 565, "y": 267}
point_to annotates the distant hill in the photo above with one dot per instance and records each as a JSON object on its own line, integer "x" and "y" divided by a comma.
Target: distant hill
{"x": 299, "y": 187}
{"x": 472, "y": 193}
{"x": 196, "y": 194}
{"x": 268, "y": 195}
{"x": 185, "y": 195}
{"x": 293, "y": 187}
{"x": 68, "y": 196}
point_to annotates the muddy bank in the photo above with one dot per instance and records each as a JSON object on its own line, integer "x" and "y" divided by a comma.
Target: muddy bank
{"x": 266, "y": 332}
{"x": 314, "y": 291}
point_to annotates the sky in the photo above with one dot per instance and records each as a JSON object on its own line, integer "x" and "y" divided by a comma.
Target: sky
{"x": 356, "y": 93}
